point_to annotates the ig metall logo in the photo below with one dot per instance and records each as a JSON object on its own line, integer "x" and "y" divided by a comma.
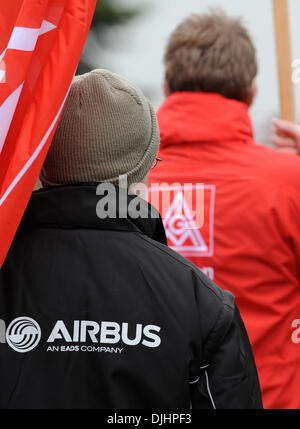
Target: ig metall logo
{"x": 23, "y": 334}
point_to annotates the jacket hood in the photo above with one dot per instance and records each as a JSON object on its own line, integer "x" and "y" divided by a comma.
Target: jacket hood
{"x": 193, "y": 117}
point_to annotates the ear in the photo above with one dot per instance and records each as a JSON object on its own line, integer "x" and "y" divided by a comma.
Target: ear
{"x": 140, "y": 188}
{"x": 166, "y": 89}
{"x": 252, "y": 94}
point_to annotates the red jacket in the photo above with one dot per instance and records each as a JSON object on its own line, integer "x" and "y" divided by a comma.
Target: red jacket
{"x": 250, "y": 240}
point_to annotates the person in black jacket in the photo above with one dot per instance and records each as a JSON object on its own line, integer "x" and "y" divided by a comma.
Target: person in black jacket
{"x": 96, "y": 311}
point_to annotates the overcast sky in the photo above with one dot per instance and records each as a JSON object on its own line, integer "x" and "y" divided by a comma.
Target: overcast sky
{"x": 138, "y": 47}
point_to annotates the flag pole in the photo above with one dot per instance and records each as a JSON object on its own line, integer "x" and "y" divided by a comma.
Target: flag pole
{"x": 284, "y": 59}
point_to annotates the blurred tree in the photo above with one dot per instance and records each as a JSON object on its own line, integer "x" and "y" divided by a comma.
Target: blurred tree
{"x": 108, "y": 13}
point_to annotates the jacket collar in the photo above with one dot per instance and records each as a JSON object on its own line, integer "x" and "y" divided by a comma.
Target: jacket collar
{"x": 74, "y": 206}
{"x": 194, "y": 117}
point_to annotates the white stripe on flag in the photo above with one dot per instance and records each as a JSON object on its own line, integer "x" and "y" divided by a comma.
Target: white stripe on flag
{"x": 2, "y": 74}
{"x": 46, "y": 26}
{"x": 2, "y": 55}
{"x": 34, "y": 155}
{"x": 23, "y": 38}
{"x": 7, "y": 111}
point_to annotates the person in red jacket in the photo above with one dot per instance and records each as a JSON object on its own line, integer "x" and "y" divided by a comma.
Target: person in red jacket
{"x": 247, "y": 233}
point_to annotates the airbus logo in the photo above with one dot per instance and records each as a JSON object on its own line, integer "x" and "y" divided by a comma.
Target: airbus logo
{"x": 23, "y": 334}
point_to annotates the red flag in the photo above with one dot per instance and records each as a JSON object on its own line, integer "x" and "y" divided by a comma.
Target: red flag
{"x": 40, "y": 46}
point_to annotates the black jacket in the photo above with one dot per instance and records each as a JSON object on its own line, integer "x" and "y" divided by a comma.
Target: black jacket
{"x": 100, "y": 313}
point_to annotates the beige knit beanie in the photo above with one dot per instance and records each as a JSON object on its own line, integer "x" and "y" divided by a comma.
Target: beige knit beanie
{"x": 107, "y": 129}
